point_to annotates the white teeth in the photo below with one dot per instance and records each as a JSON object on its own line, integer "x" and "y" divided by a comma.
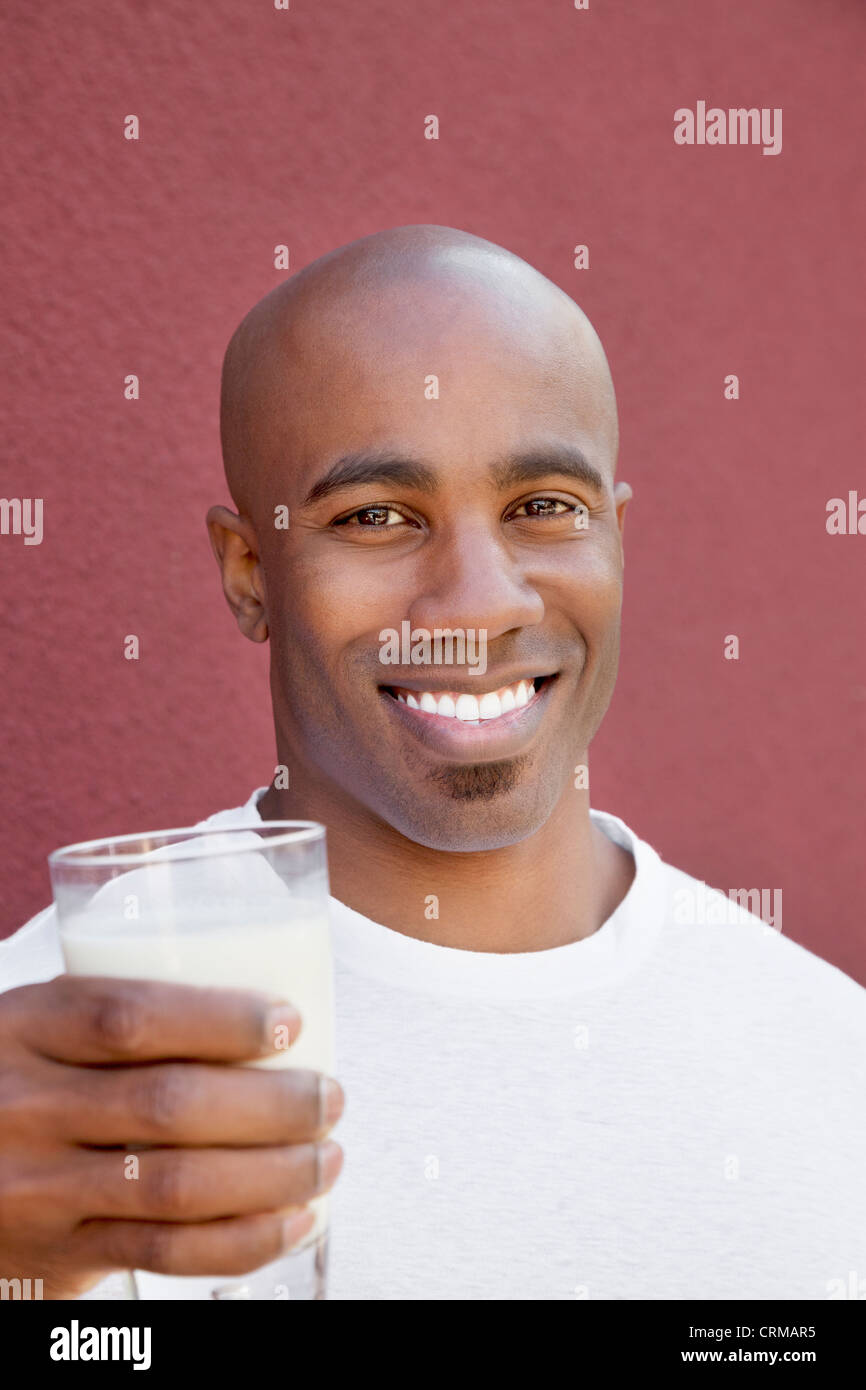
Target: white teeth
{"x": 467, "y": 707}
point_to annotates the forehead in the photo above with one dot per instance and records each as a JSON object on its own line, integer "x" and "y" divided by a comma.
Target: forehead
{"x": 439, "y": 368}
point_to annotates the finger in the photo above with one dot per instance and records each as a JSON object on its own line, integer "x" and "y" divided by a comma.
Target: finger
{"x": 94, "y": 1019}
{"x": 193, "y": 1104}
{"x": 233, "y": 1246}
{"x": 185, "y": 1185}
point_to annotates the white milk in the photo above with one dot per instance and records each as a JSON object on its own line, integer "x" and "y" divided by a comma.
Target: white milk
{"x": 289, "y": 957}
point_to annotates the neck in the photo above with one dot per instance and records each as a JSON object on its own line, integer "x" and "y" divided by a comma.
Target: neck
{"x": 554, "y": 887}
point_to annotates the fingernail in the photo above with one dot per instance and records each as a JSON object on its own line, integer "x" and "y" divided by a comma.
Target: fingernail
{"x": 330, "y": 1100}
{"x": 297, "y": 1226}
{"x": 329, "y": 1161}
{"x": 280, "y": 1027}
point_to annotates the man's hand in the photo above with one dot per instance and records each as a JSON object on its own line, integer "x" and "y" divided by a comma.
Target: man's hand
{"x": 91, "y": 1066}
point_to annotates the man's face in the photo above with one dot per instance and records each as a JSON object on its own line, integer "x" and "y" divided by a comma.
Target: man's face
{"x": 459, "y": 512}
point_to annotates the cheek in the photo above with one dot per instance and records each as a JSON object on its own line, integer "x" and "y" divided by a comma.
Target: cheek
{"x": 326, "y": 610}
{"x": 320, "y": 638}
{"x": 306, "y": 643}
{"x": 337, "y": 589}
{"x": 587, "y": 587}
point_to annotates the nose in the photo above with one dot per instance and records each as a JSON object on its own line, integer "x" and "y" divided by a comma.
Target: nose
{"x": 471, "y": 580}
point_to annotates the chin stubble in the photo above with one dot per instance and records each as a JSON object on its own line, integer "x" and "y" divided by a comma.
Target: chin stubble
{"x": 479, "y": 781}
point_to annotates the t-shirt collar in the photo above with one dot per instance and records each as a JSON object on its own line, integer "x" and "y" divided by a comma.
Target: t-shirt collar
{"x": 601, "y": 960}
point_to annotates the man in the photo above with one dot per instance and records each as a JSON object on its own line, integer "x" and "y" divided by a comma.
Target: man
{"x": 560, "y": 1081}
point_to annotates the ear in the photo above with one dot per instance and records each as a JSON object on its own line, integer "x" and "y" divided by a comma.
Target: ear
{"x": 233, "y": 541}
{"x": 622, "y": 495}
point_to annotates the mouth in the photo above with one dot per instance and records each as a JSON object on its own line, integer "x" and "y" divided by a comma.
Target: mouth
{"x": 472, "y": 725}
{"x": 489, "y": 707}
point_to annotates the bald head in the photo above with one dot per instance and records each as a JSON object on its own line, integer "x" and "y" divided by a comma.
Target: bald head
{"x": 417, "y": 293}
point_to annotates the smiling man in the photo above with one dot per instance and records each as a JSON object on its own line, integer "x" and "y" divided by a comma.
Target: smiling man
{"x": 556, "y": 1087}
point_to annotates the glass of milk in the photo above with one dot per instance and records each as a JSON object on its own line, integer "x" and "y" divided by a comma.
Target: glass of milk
{"x": 241, "y": 908}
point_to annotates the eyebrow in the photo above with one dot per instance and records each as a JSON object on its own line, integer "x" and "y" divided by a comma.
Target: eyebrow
{"x": 529, "y": 467}
{"x": 355, "y": 470}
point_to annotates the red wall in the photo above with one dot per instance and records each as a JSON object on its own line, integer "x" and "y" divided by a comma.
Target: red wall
{"x": 260, "y": 127}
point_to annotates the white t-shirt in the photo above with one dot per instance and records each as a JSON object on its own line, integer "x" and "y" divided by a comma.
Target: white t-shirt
{"x": 670, "y": 1108}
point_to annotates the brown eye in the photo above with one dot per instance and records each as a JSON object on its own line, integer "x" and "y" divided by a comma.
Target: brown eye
{"x": 543, "y": 506}
{"x": 372, "y": 516}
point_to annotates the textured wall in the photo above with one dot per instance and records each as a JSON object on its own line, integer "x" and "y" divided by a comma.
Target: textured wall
{"x": 306, "y": 127}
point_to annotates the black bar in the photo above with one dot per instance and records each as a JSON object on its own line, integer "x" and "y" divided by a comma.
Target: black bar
{"x": 249, "y": 1339}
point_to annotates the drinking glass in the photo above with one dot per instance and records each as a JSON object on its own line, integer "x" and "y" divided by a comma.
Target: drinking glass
{"x": 241, "y": 908}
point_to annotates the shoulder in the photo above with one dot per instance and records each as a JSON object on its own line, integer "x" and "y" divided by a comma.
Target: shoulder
{"x": 724, "y": 956}
{"x": 739, "y": 965}
{"x": 730, "y": 944}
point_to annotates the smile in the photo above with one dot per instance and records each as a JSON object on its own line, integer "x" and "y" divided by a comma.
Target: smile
{"x": 472, "y": 725}
{"x": 483, "y": 708}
